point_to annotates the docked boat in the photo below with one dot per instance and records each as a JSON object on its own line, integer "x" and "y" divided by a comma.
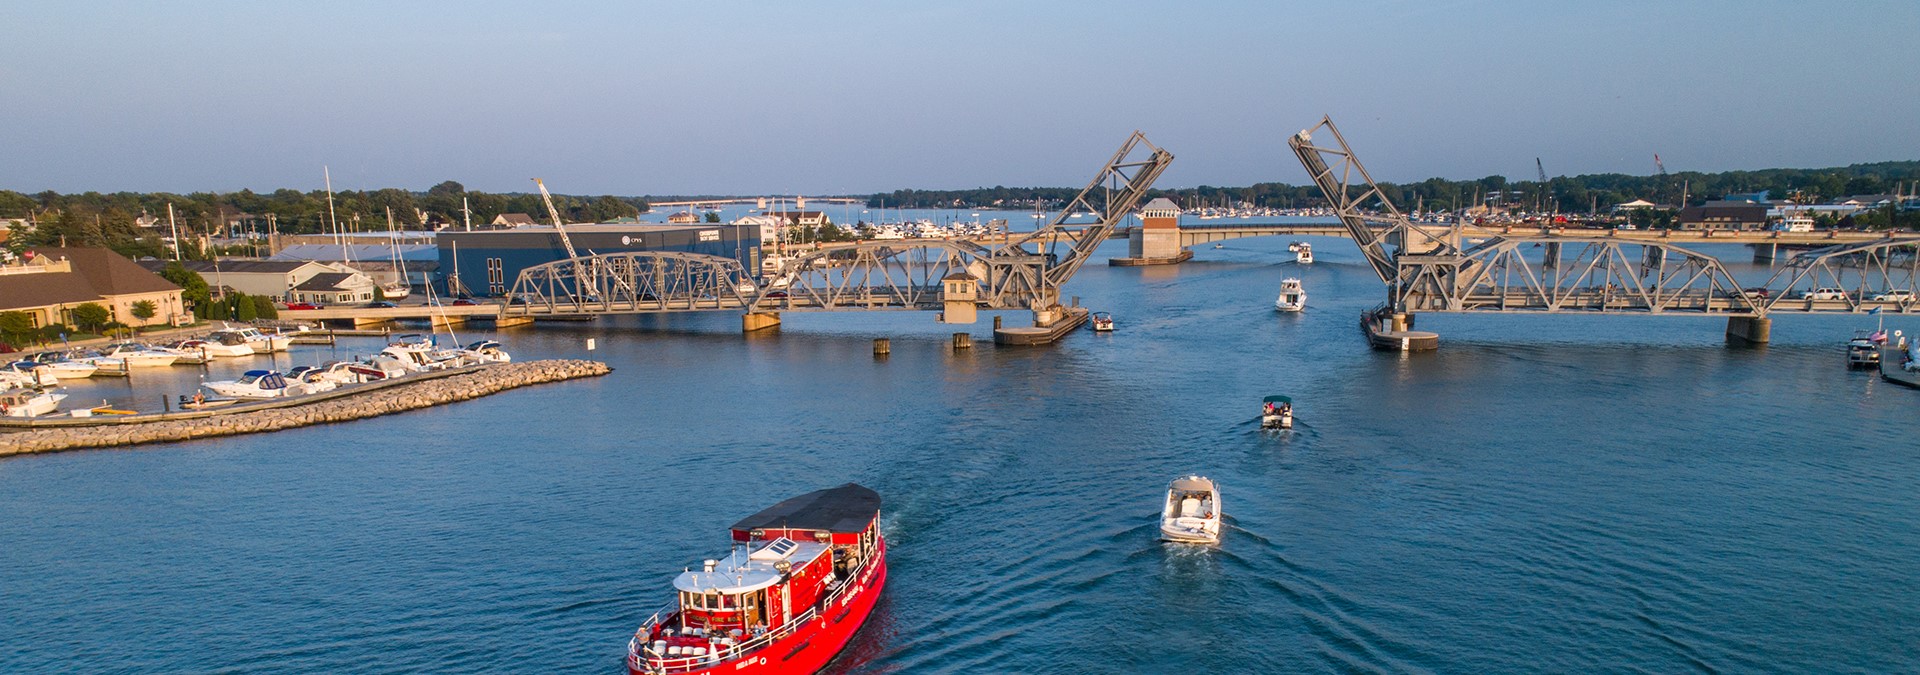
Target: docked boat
{"x": 1192, "y": 512}
{"x": 316, "y": 379}
{"x": 226, "y": 343}
{"x": 489, "y": 351}
{"x": 27, "y": 374}
{"x": 29, "y": 402}
{"x": 201, "y": 401}
{"x": 263, "y": 343}
{"x": 1303, "y": 253}
{"x": 1292, "y": 298}
{"x": 1862, "y": 352}
{"x": 136, "y": 355}
{"x": 257, "y": 384}
{"x": 187, "y": 352}
{"x": 1276, "y": 412}
{"x": 64, "y": 368}
{"x": 800, "y": 580}
{"x": 1102, "y": 322}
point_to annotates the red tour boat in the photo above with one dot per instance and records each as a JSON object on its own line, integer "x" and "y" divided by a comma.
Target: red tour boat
{"x": 801, "y": 578}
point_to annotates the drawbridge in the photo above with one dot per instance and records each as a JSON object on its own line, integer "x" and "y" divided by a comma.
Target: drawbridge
{"x": 1429, "y": 267}
{"x": 956, "y": 277}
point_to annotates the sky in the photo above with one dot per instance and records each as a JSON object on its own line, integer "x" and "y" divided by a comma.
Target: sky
{"x": 854, "y": 97}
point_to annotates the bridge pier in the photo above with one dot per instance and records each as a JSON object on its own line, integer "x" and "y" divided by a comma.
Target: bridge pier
{"x": 1157, "y": 240}
{"x": 753, "y": 321}
{"x": 438, "y": 321}
{"x": 1765, "y": 252}
{"x": 1749, "y": 330}
{"x": 511, "y": 321}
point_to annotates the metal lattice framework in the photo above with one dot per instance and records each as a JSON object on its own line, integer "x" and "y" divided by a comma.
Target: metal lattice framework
{"x": 1567, "y": 274}
{"x": 1022, "y": 272}
{"x": 1883, "y": 274}
{"x": 1376, "y": 225}
{"x": 637, "y": 281}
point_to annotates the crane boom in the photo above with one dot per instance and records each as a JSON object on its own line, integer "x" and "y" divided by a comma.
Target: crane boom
{"x": 1542, "y": 168}
{"x": 558, "y": 227}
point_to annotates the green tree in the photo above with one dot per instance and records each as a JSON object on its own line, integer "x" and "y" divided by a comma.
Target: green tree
{"x": 243, "y": 307}
{"x": 712, "y": 217}
{"x": 144, "y": 309}
{"x": 16, "y": 328}
{"x": 264, "y": 308}
{"x": 90, "y": 316}
{"x": 54, "y": 332}
{"x": 193, "y": 288}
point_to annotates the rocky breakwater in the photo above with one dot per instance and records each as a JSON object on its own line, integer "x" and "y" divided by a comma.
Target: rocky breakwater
{"x": 477, "y": 382}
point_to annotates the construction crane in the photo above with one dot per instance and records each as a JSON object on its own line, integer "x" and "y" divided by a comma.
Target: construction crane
{"x": 1542, "y": 168}
{"x": 555, "y": 214}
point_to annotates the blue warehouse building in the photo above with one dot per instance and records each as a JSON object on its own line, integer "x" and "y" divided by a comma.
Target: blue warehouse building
{"x": 486, "y": 263}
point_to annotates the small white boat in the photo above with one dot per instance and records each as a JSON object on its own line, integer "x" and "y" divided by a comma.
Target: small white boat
{"x": 1862, "y": 353}
{"x": 395, "y": 292}
{"x": 1192, "y": 511}
{"x": 1102, "y": 322}
{"x": 201, "y": 401}
{"x": 489, "y": 351}
{"x": 257, "y": 384}
{"x": 1292, "y": 298}
{"x": 65, "y": 368}
{"x": 27, "y": 374}
{"x": 136, "y": 355}
{"x": 263, "y": 343}
{"x": 226, "y": 343}
{"x": 29, "y": 402}
{"x": 1303, "y": 254}
{"x": 314, "y": 379}
{"x": 1276, "y": 412}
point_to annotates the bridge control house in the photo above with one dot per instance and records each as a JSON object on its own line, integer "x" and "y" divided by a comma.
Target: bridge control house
{"x": 486, "y": 263}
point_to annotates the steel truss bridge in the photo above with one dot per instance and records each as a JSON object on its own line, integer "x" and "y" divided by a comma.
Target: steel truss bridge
{"x": 1022, "y": 271}
{"x": 1428, "y": 267}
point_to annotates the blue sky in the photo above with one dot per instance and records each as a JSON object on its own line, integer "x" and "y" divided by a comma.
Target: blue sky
{"x": 713, "y": 96}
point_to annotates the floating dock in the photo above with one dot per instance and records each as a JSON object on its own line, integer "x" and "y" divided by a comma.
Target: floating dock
{"x": 1143, "y": 261}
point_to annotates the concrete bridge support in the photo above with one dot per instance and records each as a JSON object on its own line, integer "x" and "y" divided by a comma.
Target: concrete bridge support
{"x": 753, "y": 321}
{"x": 1749, "y": 330}
{"x": 1765, "y": 252}
{"x": 511, "y": 321}
{"x": 1157, "y": 240}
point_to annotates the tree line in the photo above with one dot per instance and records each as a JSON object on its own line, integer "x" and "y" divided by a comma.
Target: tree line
{"x": 1565, "y": 194}
{"x": 111, "y": 219}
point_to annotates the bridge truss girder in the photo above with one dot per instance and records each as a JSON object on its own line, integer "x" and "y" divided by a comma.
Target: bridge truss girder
{"x": 1864, "y": 270}
{"x": 1570, "y": 274}
{"x": 633, "y": 281}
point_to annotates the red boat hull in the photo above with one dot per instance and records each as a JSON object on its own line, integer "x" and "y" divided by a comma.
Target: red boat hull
{"x": 809, "y": 648}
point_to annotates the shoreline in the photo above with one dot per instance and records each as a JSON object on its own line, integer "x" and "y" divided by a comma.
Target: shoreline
{"x": 401, "y": 397}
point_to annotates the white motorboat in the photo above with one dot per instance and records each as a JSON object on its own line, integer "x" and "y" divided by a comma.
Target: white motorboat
{"x": 489, "y": 351}
{"x": 226, "y": 343}
{"x": 1191, "y": 513}
{"x": 1292, "y": 298}
{"x": 1862, "y": 353}
{"x": 263, "y": 343}
{"x": 1102, "y": 322}
{"x": 29, "y": 402}
{"x": 257, "y": 384}
{"x": 1303, "y": 253}
{"x": 65, "y": 368}
{"x": 136, "y": 355}
{"x": 1276, "y": 412}
{"x": 188, "y": 351}
{"x": 27, "y": 374}
{"x": 314, "y": 379}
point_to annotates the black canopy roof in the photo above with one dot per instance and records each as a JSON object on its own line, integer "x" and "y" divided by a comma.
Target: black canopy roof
{"x": 848, "y": 508}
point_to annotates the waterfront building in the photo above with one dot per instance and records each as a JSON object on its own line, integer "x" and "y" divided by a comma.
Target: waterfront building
{"x": 374, "y": 257}
{"x": 1724, "y": 215}
{"x": 47, "y": 283}
{"x": 513, "y": 220}
{"x": 486, "y": 263}
{"x": 335, "y": 288}
{"x": 271, "y": 278}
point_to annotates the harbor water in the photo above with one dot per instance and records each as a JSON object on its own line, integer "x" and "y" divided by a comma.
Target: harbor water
{"x": 1544, "y": 493}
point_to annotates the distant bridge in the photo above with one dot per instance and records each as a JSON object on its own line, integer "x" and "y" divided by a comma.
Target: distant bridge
{"x": 722, "y": 201}
{"x": 1452, "y": 268}
{"x": 1764, "y": 240}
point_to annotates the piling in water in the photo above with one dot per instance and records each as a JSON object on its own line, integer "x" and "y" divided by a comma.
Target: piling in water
{"x": 962, "y": 340}
{"x": 882, "y": 346}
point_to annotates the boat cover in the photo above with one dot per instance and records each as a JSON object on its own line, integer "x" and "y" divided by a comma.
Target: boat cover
{"x": 1278, "y": 399}
{"x": 848, "y": 509}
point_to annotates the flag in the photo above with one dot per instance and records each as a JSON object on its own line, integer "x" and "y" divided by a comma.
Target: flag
{"x": 1873, "y": 311}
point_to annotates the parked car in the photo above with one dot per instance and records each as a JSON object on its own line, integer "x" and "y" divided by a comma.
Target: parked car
{"x": 1757, "y": 292}
{"x": 1828, "y": 293}
{"x": 1894, "y": 296}
{"x": 463, "y": 302}
{"x": 305, "y": 305}
{"x": 381, "y": 304}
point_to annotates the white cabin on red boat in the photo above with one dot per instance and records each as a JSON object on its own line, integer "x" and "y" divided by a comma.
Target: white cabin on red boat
{"x": 785, "y": 597}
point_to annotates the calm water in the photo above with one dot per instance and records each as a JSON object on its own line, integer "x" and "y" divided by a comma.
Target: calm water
{"x": 1543, "y": 494}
